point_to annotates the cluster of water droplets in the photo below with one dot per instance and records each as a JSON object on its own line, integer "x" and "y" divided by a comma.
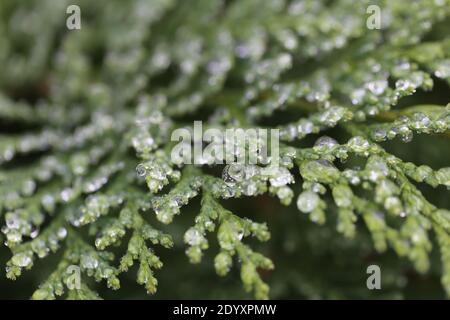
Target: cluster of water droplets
{"x": 418, "y": 122}
{"x": 442, "y": 69}
{"x": 109, "y": 235}
{"x": 167, "y": 206}
{"x": 330, "y": 117}
{"x": 9, "y": 148}
{"x": 41, "y": 245}
{"x": 101, "y": 178}
{"x": 251, "y": 180}
{"x": 20, "y": 223}
{"x": 95, "y": 206}
{"x": 96, "y": 264}
{"x": 157, "y": 172}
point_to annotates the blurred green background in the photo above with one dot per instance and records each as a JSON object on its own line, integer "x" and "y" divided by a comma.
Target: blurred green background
{"x": 311, "y": 262}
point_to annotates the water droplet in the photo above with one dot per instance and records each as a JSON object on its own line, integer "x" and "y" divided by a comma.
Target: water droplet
{"x": 233, "y": 172}
{"x": 305, "y": 127}
{"x": 143, "y": 143}
{"x": 324, "y": 143}
{"x": 12, "y": 221}
{"x": 420, "y": 121}
{"x": 155, "y": 117}
{"x": 282, "y": 177}
{"x": 392, "y": 133}
{"x": 250, "y": 171}
{"x": 357, "y": 96}
{"x": 67, "y": 194}
{"x": 88, "y": 261}
{"x": 318, "y": 188}
{"x": 209, "y": 224}
{"x": 163, "y": 216}
{"x": 95, "y": 184}
{"x": 141, "y": 170}
{"x": 28, "y": 188}
{"x": 34, "y": 233}
{"x": 377, "y": 168}
{"x": 358, "y": 144}
{"x": 377, "y": 87}
{"x": 394, "y": 205}
{"x": 193, "y": 237}
{"x": 379, "y": 134}
{"x": 307, "y": 201}
{"x": 40, "y": 248}
{"x": 284, "y": 60}
{"x": 21, "y": 259}
{"x": 332, "y": 116}
{"x": 285, "y": 193}
{"x": 250, "y": 189}
{"x": 61, "y": 233}
{"x": 352, "y": 176}
{"x": 403, "y": 66}
{"x": 240, "y": 234}
{"x": 407, "y": 137}
{"x": 8, "y": 153}
{"x": 443, "y": 69}
{"x": 48, "y": 202}
{"x": 289, "y": 39}
{"x": 14, "y": 236}
{"x": 405, "y": 85}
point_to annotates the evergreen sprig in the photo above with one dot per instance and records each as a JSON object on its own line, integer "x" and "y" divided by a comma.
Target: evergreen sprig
{"x": 80, "y": 110}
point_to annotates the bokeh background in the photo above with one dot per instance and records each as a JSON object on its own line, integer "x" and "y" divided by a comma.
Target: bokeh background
{"x": 311, "y": 262}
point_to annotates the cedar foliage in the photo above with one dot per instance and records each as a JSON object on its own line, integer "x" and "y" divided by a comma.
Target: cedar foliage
{"x": 81, "y": 109}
